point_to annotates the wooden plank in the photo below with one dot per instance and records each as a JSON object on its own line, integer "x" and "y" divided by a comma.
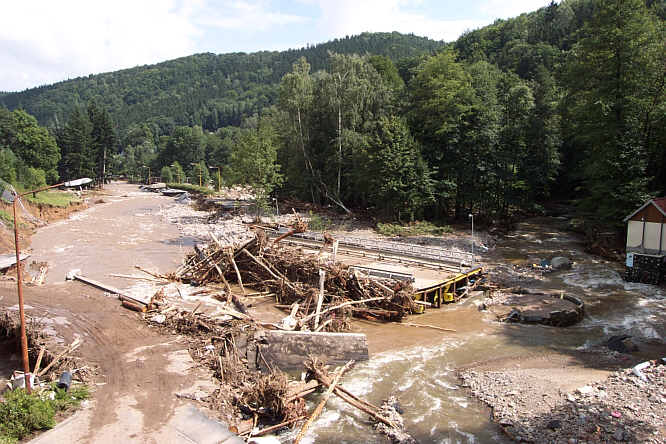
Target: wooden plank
{"x": 108, "y": 288}
{"x": 7, "y": 260}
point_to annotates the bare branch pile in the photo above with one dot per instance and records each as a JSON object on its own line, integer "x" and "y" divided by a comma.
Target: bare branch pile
{"x": 294, "y": 277}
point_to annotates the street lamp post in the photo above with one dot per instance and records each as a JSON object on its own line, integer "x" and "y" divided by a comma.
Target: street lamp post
{"x": 173, "y": 165}
{"x": 471, "y": 216}
{"x": 219, "y": 177}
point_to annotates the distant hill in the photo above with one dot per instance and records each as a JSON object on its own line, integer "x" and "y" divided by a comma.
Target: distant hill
{"x": 203, "y": 89}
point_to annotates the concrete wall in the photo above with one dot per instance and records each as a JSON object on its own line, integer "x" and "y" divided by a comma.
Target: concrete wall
{"x": 653, "y": 235}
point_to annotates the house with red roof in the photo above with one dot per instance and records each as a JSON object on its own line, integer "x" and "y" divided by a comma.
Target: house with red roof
{"x": 646, "y": 242}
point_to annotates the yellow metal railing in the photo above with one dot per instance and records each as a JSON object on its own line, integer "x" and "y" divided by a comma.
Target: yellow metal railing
{"x": 445, "y": 291}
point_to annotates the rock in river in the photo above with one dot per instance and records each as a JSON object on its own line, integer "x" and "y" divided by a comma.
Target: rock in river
{"x": 560, "y": 263}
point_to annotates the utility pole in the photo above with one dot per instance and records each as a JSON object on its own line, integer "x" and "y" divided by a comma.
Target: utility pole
{"x": 19, "y": 282}
{"x": 104, "y": 168}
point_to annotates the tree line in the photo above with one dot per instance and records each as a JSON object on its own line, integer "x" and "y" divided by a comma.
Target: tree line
{"x": 563, "y": 103}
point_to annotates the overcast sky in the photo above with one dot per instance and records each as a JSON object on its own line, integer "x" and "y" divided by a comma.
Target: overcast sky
{"x": 44, "y": 41}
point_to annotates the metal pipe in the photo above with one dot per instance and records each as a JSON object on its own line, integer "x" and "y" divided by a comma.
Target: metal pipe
{"x": 19, "y": 284}
{"x": 39, "y": 189}
{"x": 643, "y": 235}
{"x": 661, "y": 233}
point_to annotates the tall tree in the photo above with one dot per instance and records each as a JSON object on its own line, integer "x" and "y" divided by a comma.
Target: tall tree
{"x": 103, "y": 138}
{"x": 399, "y": 181}
{"x": 34, "y": 146}
{"x": 610, "y": 84}
{"x": 442, "y": 97}
{"x": 76, "y": 145}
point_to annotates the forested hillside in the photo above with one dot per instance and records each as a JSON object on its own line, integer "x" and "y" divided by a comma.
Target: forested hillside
{"x": 567, "y": 102}
{"x": 208, "y": 90}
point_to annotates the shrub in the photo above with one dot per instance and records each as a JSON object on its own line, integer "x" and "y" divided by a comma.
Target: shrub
{"x": 418, "y": 228}
{"x": 318, "y": 223}
{"x": 21, "y": 413}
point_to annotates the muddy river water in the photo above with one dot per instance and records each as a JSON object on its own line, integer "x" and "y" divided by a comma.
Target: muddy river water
{"x": 417, "y": 365}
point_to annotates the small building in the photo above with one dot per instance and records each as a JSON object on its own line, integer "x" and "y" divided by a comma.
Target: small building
{"x": 646, "y": 242}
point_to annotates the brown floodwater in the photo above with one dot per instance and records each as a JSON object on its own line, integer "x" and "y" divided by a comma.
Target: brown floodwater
{"x": 415, "y": 364}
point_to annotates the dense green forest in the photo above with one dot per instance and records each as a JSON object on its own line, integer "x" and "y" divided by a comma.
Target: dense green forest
{"x": 207, "y": 90}
{"x": 567, "y": 102}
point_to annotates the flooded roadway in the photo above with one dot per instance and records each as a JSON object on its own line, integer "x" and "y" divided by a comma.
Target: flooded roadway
{"x": 417, "y": 365}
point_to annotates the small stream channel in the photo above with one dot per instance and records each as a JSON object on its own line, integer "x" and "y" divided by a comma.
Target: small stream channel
{"x": 437, "y": 409}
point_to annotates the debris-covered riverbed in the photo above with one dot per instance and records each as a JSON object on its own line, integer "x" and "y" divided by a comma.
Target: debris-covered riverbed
{"x": 420, "y": 367}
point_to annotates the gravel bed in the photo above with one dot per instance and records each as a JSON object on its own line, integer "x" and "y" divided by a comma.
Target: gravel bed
{"x": 625, "y": 407}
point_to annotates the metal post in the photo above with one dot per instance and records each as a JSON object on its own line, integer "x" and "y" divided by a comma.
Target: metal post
{"x": 19, "y": 284}
{"x": 472, "y": 217}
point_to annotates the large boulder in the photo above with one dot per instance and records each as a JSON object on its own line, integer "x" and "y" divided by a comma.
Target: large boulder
{"x": 560, "y": 263}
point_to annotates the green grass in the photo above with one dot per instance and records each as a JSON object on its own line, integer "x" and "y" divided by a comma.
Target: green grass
{"x": 21, "y": 413}
{"x": 53, "y": 198}
{"x": 6, "y": 218}
{"x": 191, "y": 188}
{"x": 318, "y": 223}
{"x": 418, "y": 228}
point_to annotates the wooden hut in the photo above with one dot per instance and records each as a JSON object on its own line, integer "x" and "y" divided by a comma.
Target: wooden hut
{"x": 646, "y": 242}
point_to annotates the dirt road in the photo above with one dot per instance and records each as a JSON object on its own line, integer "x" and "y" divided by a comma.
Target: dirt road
{"x": 140, "y": 370}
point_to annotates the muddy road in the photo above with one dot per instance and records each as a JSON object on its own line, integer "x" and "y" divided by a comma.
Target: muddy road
{"x": 140, "y": 370}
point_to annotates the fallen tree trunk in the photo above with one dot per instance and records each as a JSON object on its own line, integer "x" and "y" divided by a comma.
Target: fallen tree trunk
{"x": 322, "y": 403}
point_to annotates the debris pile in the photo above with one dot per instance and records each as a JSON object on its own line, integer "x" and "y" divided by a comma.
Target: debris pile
{"x": 628, "y": 406}
{"x": 44, "y": 361}
{"x": 298, "y": 281}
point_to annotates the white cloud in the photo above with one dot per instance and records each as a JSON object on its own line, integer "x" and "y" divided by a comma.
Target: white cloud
{"x": 510, "y": 8}
{"x": 43, "y": 42}
{"x": 244, "y": 15}
{"x": 346, "y": 17}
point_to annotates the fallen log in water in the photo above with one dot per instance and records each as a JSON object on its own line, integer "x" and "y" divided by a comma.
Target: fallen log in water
{"x": 322, "y": 403}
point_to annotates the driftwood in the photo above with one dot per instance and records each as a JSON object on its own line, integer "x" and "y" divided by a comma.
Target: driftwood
{"x": 294, "y": 277}
{"x": 73, "y": 346}
{"x": 434, "y": 327}
{"x": 238, "y": 275}
{"x": 39, "y": 360}
{"x": 316, "y": 369}
{"x": 322, "y": 403}
{"x": 339, "y": 306}
{"x": 277, "y": 426}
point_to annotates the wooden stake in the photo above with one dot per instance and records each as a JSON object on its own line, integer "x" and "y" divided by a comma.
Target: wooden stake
{"x": 322, "y": 279}
{"x": 322, "y": 403}
{"x": 39, "y": 360}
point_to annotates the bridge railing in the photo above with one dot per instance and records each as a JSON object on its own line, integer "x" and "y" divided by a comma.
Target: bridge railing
{"x": 420, "y": 251}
